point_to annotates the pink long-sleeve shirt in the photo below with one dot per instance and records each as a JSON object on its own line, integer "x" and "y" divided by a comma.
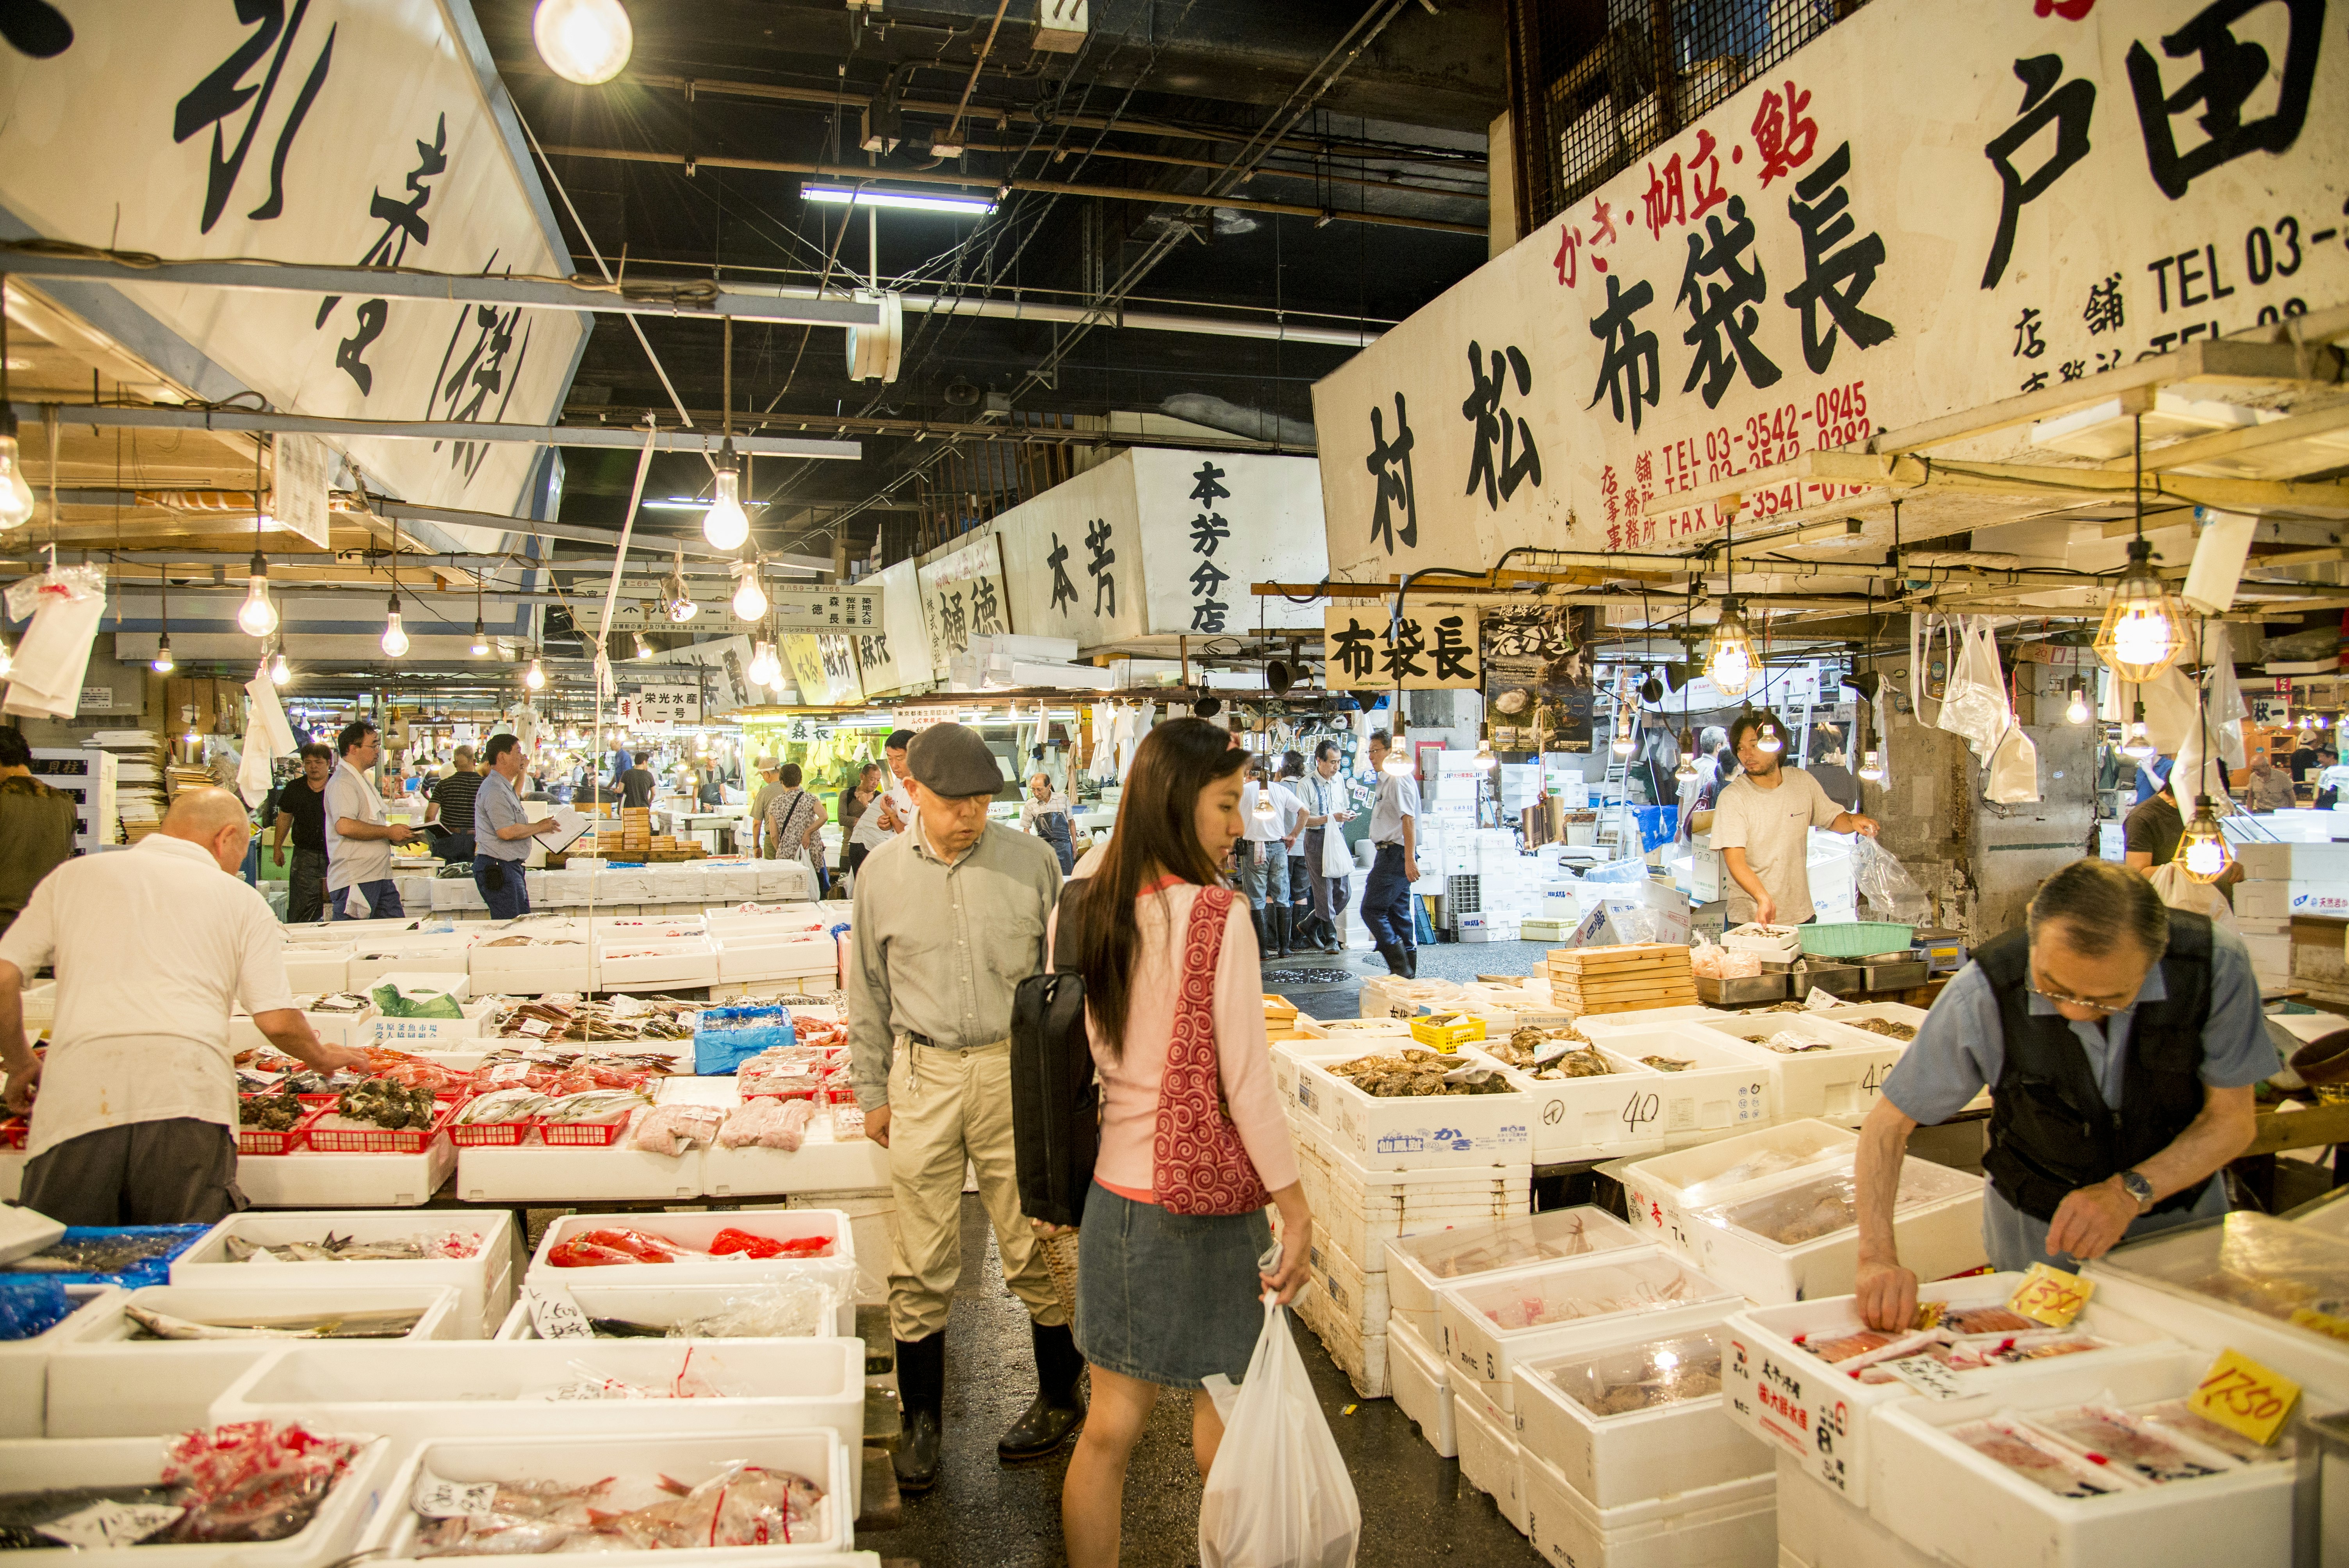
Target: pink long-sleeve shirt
{"x": 1130, "y": 1085}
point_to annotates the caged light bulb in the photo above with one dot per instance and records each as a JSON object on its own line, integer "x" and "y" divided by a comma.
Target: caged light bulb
{"x": 1871, "y": 765}
{"x": 2203, "y": 850}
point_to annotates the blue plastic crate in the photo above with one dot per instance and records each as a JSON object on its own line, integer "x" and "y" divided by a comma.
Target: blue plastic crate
{"x": 726, "y": 1037}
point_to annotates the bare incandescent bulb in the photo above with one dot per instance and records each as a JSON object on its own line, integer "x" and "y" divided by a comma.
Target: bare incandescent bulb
{"x": 15, "y": 495}
{"x": 280, "y": 671}
{"x": 1398, "y": 764}
{"x": 2077, "y": 710}
{"x": 724, "y": 525}
{"x": 395, "y": 635}
{"x": 164, "y": 664}
{"x": 1768, "y": 740}
{"x": 1265, "y": 810}
{"x": 257, "y": 617}
{"x": 1871, "y": 767}
{"x": 480, "y": 638}
{"x": 535, "y": 677}
{"x": 583, "y": 41}
{"x": 750, "y": 599}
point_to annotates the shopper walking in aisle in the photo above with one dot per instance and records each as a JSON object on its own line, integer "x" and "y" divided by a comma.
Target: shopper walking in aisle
{"x": 358, "y": 838}
{"x": 451, "y": 804}
{"x": 1394, "y": 835}
{"x": 1762, "y": 826}
{"x": 1292, "y": 777}
{"x": 301, "y": 810}
{"x": 1045, "y": 814}
{"x": 503, "y": 830}
{"x": 949, "y": 919}
{"x": 2120, "y": 1041}
{"x": 37, "y": 825}
{"x": 855, "y": 802}
{"x": 1194, "y": 1145}
{"x": 770, "y": 775}
{"x": 134, "y": 1122}
{"x": 1327, "y": 809}
{"x": 1272, "y": 817}
{"x": 795, "y": 821}
{"x": 636, "y": 788}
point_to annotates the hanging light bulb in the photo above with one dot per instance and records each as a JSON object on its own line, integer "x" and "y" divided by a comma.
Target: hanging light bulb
{"x": 2144, "y": 629}
{"x": 643, "y": 649}
{"x": 724, "y": 525}
{"x": 763, "y": 662}
{"x": 535, "y": 677}
{"x": 2077, "y": 710}
{"x": 2136, "y": 742}
{"x": 750, "y": 599}
{"x": 15, "y": 495}
{"x": 2203, "y": 850}
{"x": 1398, "y": 763}
{"x": 1266, "y": 811}
{"x": 1686, "y": 770}
{"x": 1729, "y": 660}
{"x": 583, "y": 41}
{"x": 681, "y": 607}
{"x": 395, "y": 635}
{"x": 1871, "y": 767}
{"x": 8, "y": 657}
{"x": 1485, "y": 761}
{"x": 162, "y": 664}
{"x": 1767, "y": 740}
{"x": 280, "y": 671}
{"x": 257, "y": 617}
{"x": 480, "y": 638}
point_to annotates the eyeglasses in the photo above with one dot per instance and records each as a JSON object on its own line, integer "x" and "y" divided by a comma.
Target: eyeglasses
{"x": 2063, "y": 999}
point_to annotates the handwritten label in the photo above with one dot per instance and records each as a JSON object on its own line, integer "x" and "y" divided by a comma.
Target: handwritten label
{"x": 111, "y": 1523}
{"x": 556, "y": 1315}
{"x": 436, "y": 1498}
{"x": 2317, "y": 1322}
{"x": 2051, "y": 1296}
{"x": 536, "y": 1028}
{"x": 1935, "y": 1379}
{"x": 2244, "y": 1396}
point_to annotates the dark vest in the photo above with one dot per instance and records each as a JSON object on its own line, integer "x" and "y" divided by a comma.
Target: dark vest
{"x": 2050, "y": 1130}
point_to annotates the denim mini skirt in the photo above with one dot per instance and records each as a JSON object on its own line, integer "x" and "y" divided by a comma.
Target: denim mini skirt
{"x": 1168, "y": 1298}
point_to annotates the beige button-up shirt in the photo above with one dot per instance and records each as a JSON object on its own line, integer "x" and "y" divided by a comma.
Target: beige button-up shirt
{"x": 939, "y": 946}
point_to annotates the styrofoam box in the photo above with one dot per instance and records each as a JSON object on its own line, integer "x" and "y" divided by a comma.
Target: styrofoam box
{"x": 1943, "y": 1496}
{"x": 1419, "y": 1265}
{"x": 426, "y": 982}
{"x": 537, "y": 1173}
{"x": 543, "y": 967}
{"x": 677, "y": 1452}
{"x": 1602, "y": 1024}
{"x": 425, "y": 1034}
{"x": 1359, "y": 1298}
{"x": 442, "y": 958}
{"x": 105, "y": 1382}
{"x": 2304, "y": 896}
{"x": 1640, "y": 1106}
{"x": 499, "y": 1388}
{"x": 1474, "y": 1343}
{"x": 483, "y": 1281}
{"x": 665, "y": 1306}
{"x": 1422, "y": 1131}
{"x": 621, "y": 962}
{"x": 822, "y": 1166}
{"x": 1362, "y": 1357}
{"x": 755, "y": 958}
{"x": 308, "y": 1178}
{"x": 1370, "y": 1032}
{"x": 315, "y": 968}
{"x": 24, "y": 1364}
{"x": 1852, "y": 1013}
{"x": 1368, "y": 1207}
{"x": 1296, "y": 1091}
{"x": 1491, "y": 1462}
{"x": 1732, "y": 1525}
{"x": 1639, "y": 1454}
{"x": 1422, "y": 1387}
{"x": 348, "y": 1029}
{"x": 1817, "y": 1529}
{"x": 1387, "y": 997}
{"x": 1657, "y": 1192}
{"x": 1936, "y": 1237}
{"x": 41, "y": 1465}
{"x": 1843, "y": 1080}
{"x": 456, "y": 893}
{"x": 1788, "y": 1397}
{"x": 2325, "y": 862}
{"x": 697, "y": 1231}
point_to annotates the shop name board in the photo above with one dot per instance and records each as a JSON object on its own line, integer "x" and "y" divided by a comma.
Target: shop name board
{"x": 1433, "y": 648}
{"x": 1915, "y": 214}
{"x": 653, "y": 706}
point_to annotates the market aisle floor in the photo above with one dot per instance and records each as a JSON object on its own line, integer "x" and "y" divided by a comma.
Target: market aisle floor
{"x": 985, "y": 1514}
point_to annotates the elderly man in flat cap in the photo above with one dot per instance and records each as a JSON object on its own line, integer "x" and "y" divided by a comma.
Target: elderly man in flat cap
{"x": 949, "y": 919}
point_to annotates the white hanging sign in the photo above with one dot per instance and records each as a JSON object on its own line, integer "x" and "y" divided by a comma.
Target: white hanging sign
{"x": 963, "y": 596}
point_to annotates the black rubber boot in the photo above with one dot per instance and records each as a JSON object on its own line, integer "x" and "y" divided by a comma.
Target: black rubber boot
{"x": 1279, "y": 918}
{"x": 1397, "y": 965}
{"x": 922, "y": 1386}
{"x": 1263, "y": 935}
{"x": 1058, "y": 1411}
{"x": 1411, "y": 963}
{"x": 1306, "y": 933}
{"x": 1333, "y": 935}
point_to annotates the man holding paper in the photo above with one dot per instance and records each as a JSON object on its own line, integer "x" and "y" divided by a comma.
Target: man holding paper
{"x": 503, "y": 831}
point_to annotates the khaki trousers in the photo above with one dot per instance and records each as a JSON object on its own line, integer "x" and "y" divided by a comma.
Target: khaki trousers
{"x": 947, "y": 1108}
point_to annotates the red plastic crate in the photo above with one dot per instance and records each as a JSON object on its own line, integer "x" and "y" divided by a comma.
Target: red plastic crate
{"x": 582, "y": 1134}
{"x": 368, "y": 1139}
{"x": 488, "y": 1134}
{"x": 267, "y": 1140}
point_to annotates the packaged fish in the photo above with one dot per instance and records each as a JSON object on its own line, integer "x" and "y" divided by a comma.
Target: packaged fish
{"x": 743, "y": 1505}
{"x": 2040, "y": 1460}
{"x": 672, "y": 1129}
{"x": 2172, "y": 1418}
{"x": 2109, "y": 1435}
{"x": 1640, "y": 1376}
{"x": 345, "y": 1249}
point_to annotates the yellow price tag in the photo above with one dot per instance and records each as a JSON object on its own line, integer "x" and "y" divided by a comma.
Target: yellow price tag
{"x": 2049, "y": 1296}
{"x": 2244, "y": 1396}
{"x": 2317, "y": 1322}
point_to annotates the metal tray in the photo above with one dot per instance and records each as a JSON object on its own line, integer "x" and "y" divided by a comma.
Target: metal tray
{"x": 1738, "y": 993}
{"x": 1896, "y": 976}
{"x": 1836, "y": 979}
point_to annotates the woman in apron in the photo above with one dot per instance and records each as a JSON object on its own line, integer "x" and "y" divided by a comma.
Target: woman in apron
{"x": 1045, "y": 813}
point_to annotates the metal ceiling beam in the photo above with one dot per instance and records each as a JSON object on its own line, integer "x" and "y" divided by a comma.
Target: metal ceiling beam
{"x": 685, "y": 297}
{"x": 652, "y": 544}
{"x": 159, "y": 417}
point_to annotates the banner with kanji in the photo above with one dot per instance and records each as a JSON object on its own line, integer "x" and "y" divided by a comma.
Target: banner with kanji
{"x": 1431, "y": 647}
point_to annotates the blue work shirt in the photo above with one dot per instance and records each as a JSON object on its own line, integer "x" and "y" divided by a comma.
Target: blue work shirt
{"x": 497, "y": 806}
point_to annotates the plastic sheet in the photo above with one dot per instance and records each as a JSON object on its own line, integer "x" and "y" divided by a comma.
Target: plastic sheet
{"x": 252, "y": 1481}
{"x": 1885, "y": 885}
{"x": 31, "y": 1304}
{"x": 127, "y": 1255}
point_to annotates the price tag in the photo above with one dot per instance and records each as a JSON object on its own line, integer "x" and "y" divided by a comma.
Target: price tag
{"x": 111, "y": 1523}
{"x": 435, "y": 1498}
{"x": 536, "y": 1028}
{"x": 2317, "y": 1322}
{"x": 556, "y": 1316}
{"x": 2244, "y": 1396}
{"x": 2051, "y": 1296}
{"x": 1935, "y": 1379}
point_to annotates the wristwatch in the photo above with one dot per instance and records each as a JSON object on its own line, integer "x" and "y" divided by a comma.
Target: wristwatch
{"x": 2138, "y": 1188}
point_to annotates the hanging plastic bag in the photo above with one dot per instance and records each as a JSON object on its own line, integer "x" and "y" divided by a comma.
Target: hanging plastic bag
{"x": 1922, "y": 631}
{"x": 1974, "y": 707}
{"x": 2180, "y": 890}
{"x": 2013, "y": 772}
{"x": 65, "y": 604}
{"x": 1885, "y": 885}
{"x": 1278, "y": 1495}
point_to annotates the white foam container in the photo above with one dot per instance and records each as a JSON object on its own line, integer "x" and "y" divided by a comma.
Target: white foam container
{"x": 349, "y": 1029}
{"x": 1732, "y": 1525}
{"x": 1818, "y": 1529}
{"x": 486, "y": 1388}
{"x": 1843, "y": 1080}
{"x": 419, "y": 955}
{"x": 1418, "y": 1265}
{"x": 308, "y": 1178}
{"x": 621, "y": 962}
{"x": 1641, "y": 1019}
{"x": 1363, "y": 1357}
{"x": 1491, "y": 1462}
{"x": 1474, "y": 1345}
{"x": 697, "y": 1231}
{"x": 1358, "y": 1298}
{"x": 1641, "y": 1454}
{"x": 1937, "y": 1238}
{"x": 38, "y": 1465}
{"x": 1941, "y": 1496}
{"x": 1343, "y": 1030}
{"x": 483, "y": 1281}
{"x": 540, "y": 969}
{"x": 753, "y": 955}
{"x": 1641, "y": 1110}
{"x": 1420, "y": 1132}
{"x": 1288, "y": 1054}
{"x": 680, "y": 1452}
{"x": 312, "y": 967}
{"x": 1788, "y": 1397}
{"x": 104, "y": 1383}
{"x": 1422, "y": 1387}
{"x": 436, "y": 1034}
{"x": 1654, "y": 1188}
{"x": 1850, "y": 1014}
{"x": 822, "y": 1165}
{"x": 25, "y": 1364}
{"x": 1366, "y": 1207}
{"x": 572, "y": 1173}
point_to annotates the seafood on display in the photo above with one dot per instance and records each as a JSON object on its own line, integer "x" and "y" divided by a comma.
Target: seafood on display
{"x": 135, "y": 1514}
{"x": 1414, "y": 1072}
{"x": 2113, "y": 1436}
{"x": 1514, "y": 1247}
{"x": 672, "y": 1130}
{"x": 602, "y": 1247}
{"x": 1641, "y": 1377}
{"x": 501, "y": 1105}
{"x": 380, "y": 1102}
{"x": 1669, "y": 1064}
{"x": 248, "y": 1482}
{"x": 270, "y": 1112}
{"x": 767, "y": 1124}
{"x": 103, "y": 1253}
{"x": 395, "y": 1324}
{"x": 1793, "y": 1043}
{"x": 1550, "y": 1053}
{"x": 2038, "y": 1459}
{"x": 1890, "y": 1029}
{"x": 1538, "y": 1306}
{"x": 334, "y": 1249}
{"x": 588, "y": 1021}
{"x": 744, "y": 1505}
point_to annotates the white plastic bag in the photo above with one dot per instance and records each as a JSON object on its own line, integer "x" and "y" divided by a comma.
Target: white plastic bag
{"x": 1890, "y": 892}
{"x": 1973, "y": 705}
{"x": 2180, "y": 890}
{"x": 1279, "y": 1496}
{"x": 2013, "y": 770}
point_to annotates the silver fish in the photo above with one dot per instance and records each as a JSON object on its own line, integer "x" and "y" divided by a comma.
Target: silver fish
{"x": 394, "y": 1324}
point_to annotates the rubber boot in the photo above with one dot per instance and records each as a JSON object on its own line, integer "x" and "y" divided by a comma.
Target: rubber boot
{"x": 1333, "y": 933}
{"x": 1397, "y": 965}
{"x": 1279, "y": 915}
{"x": 922, "y": 1387}
{"x": 1058, "y": 1411}
{"x": 1411, "y": 963}
{"x": 1263, "y": 936}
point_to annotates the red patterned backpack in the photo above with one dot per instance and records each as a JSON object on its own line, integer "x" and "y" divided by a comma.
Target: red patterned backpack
{"x": 1198, "y": 1164}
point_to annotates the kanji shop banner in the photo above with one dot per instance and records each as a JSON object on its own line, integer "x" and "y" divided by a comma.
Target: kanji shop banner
{"x": 962, "y": 598}
{"x": 1930, "y": 208}
{"x": 898, "y": 655}
{"x": 1433, "y": 646}
{"x": 1215, "y": 522}
{"x": 823, "y": 666}
{"x": 1073, "y": 557}
{"x": 349, "y": 131}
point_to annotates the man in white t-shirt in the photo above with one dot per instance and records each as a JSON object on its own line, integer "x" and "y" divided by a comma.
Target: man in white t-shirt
{"x": 893, "y": 812}
{"x": 359, "y": 836}
{"x": 1762, "y": 826}
{"x": 1263, "y": 850}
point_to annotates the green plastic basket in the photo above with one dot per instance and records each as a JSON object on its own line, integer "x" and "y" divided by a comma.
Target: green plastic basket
{"x": 1856, "y": 939}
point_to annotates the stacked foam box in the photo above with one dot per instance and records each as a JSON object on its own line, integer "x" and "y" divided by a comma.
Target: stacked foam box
{"x": 2281, "y": 880}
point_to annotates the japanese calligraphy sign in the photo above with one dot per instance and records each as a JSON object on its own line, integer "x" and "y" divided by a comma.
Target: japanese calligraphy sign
{"x": 824, "y": 665}
{"x": 897, "y": 654}
{"x": 1433, "y": 647}
{"x": 1074, "y": 558}
{"x": 665, "y": 703}
{"x": 963, "y": 597}
{"x": 1215, "y": 522}
{"x": 344, "y": 131}
{"x": 1928, "y": 208}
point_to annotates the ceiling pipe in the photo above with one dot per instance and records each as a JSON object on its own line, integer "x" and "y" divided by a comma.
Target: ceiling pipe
{"x": 1257, "y": 423}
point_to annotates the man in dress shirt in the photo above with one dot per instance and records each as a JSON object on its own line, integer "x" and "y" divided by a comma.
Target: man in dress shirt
{"x": 949, "y": 919}
{"x": 359, "y": 837}
{"x": 1326, "y": 810}
{"x": 135, "y": 1121}
{"x": 1266, "y": 838}
{"x": 503, "y": 831}
{"x": 1386, "y": 894}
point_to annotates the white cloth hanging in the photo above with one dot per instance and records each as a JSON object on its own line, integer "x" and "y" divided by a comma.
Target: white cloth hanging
{"x": 65, "y": 606}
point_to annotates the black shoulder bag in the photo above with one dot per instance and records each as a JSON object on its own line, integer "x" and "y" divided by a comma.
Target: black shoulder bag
{"x": 1055, "y": 1100}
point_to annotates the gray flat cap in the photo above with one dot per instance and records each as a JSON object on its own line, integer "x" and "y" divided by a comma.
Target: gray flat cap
{"x": 766, "y": 765}
{"x": 950, "y": 759}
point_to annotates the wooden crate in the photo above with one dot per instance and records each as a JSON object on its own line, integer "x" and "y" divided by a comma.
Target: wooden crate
{"x": 1587, "y": 980}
